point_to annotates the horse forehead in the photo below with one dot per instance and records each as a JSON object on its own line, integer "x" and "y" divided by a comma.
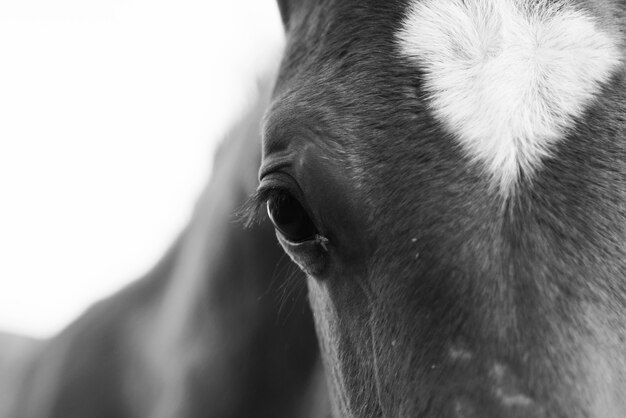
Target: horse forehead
{"x": 507, "y": 78}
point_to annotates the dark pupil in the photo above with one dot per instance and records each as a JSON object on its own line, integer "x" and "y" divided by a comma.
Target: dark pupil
{"x": 290, "y": 218}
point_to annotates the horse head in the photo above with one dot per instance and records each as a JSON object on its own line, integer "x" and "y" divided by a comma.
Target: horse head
{"x": 451, "y": 177}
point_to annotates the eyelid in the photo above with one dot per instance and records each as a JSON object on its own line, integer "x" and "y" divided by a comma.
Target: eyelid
{"x": 274, "y": 179}
{"x": 281, "y": 181}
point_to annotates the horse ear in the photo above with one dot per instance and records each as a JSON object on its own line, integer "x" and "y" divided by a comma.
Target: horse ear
{"x": 287, "y": 8}
{"x": 283, "y": 6}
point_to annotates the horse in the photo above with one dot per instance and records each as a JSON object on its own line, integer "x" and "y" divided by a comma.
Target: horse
{"x": 448, "y": 177}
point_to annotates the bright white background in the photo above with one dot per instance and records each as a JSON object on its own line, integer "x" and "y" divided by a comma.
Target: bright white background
{"x": 109, "y": 113}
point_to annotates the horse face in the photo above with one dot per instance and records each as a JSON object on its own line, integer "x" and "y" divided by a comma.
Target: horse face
{"x": 451, "y": 179}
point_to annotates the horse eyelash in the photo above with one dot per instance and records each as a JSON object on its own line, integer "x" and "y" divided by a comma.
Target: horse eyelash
{"x": 252, "y": 211}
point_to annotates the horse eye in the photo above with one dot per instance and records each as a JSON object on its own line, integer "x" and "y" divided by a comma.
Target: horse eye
{"x": 290, "y": 218}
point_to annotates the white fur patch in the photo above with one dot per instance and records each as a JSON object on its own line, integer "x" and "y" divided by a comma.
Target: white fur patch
{"x": 507, "y": 77}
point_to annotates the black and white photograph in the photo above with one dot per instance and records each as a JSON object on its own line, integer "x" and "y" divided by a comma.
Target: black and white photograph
{"x": 313, "y": 209}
